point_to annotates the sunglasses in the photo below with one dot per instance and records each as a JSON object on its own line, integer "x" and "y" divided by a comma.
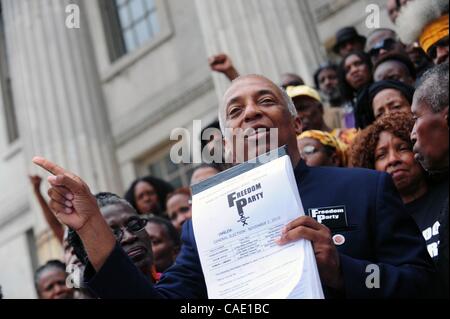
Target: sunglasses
{"x": 133, "y": 226}
{"x": 432, "y": 51}
{"x": 386, "y": 44}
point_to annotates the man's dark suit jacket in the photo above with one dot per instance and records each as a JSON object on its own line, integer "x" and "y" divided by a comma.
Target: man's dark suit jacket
{"x": 379, "y": 232}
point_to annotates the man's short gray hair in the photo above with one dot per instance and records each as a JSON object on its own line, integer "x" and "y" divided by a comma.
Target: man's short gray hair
{"x": 286, "y": 98}
{"x": 433, "y": 88}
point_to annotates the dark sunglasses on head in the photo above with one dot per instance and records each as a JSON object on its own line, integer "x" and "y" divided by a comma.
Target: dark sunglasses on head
{"x": 386, "y": 44}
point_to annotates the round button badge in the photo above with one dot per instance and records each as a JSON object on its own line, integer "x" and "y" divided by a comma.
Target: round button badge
{"x": 338, "y": 239}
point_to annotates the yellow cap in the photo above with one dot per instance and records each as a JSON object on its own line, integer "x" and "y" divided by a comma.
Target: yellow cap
{"x": 303, "y": 90}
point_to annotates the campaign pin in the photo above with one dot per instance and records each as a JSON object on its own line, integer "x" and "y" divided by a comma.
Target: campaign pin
{"x": 338, "y": 239}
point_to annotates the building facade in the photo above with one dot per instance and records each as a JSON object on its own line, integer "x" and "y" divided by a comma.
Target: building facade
{"x": 98, "y": 85}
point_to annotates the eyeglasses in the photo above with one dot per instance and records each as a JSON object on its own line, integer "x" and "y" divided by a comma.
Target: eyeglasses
{"x": 133, "y": 226}
{"x": 308, "y": 150}
{"x": 386, "y": 44}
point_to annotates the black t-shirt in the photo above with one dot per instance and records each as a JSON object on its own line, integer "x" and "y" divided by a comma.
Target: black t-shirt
{"x": 442, "y": 264}
{"x": 426, "y": 211}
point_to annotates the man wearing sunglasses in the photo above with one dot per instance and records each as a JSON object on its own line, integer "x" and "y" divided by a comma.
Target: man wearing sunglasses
{"x": 426, "y": 22}
{"x": 382, "y": 41}
{"x": 438, "y": 52}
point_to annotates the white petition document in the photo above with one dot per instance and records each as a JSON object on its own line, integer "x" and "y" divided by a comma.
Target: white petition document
{"x": 236, "y": 223}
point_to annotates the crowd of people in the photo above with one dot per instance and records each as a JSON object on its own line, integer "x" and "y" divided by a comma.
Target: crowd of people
{"x": 381, "y": 106}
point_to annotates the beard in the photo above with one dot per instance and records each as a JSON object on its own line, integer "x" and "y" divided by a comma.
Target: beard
{"x": 333, "y": 96}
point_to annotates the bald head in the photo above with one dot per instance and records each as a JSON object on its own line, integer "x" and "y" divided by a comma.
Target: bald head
{"x": 253, "y": 109}
{"x": 257, "y": 80}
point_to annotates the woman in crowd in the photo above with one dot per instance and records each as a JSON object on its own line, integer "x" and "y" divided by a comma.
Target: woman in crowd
{"x": 386, "y": 146}
{"x": 355, "y": 72}
{"x": 166, "y": 242}
{"x": 148, "y": 195}
{"x": 128, "y": 228}
{"x": 319, "y": 148}
{"x": 50, "y": 281}
{"x": 382, "y": 98}
{"x": 179, "y": 208}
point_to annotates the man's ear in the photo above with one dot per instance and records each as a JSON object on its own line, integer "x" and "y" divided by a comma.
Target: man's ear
{"x": 298, "y": 125}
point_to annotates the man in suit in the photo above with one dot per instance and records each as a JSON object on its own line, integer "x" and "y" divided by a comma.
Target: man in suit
{"x": 378, "y": 238}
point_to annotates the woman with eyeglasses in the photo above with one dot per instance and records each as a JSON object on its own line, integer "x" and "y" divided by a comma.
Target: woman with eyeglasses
{"x": 318, "y": 148}
{"x": 129, "y": 230}
{"x": 179, "y": 207}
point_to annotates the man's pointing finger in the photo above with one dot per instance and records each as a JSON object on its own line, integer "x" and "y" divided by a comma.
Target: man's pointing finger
{"x": 48, "y": 166}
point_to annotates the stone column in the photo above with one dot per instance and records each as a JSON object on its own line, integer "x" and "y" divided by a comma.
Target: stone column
{"x": 58, "y": 96}
{"x": 268, "y": 37}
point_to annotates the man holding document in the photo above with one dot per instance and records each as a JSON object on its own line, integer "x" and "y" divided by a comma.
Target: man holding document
{"x": 239, "y": 215}
{"x": 364, "y": 230}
